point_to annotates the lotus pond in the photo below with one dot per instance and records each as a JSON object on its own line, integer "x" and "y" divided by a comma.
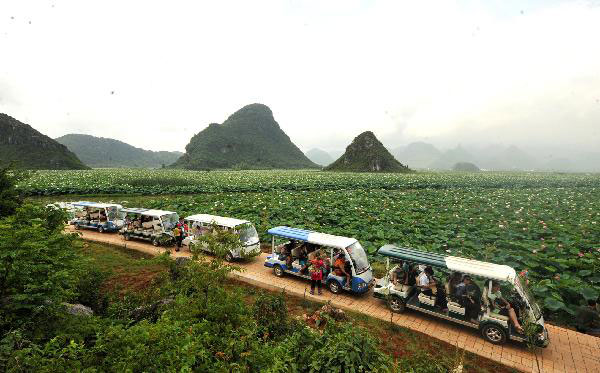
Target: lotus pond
{"x": 545, "y": 225}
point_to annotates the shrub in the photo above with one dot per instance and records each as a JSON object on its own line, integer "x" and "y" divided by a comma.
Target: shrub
{"x": 89, "y": 287}
{"x": 10, "y": 197}
{"x": 271, "y": 315}
{"x": 342, "y": 347}
{"x": 38, "y": 271}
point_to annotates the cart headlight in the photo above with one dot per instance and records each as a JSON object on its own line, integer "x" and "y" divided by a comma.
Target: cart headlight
{"x": 362, "y": 285}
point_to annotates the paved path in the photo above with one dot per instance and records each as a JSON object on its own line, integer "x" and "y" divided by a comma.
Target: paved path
{"x": 568, "y": 351}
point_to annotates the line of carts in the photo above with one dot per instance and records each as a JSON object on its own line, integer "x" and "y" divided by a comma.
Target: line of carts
{"x": 286, "y": 258}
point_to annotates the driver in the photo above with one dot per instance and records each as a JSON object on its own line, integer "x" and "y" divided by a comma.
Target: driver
{"x": 501, "y": 306}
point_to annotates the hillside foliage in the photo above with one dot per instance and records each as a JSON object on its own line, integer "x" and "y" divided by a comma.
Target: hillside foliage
{"x": 465, "y": 167}
{"x": 103, "y": 152}
{"x": 249, "y": 139}
{"x": 26, "y": 148}
{"x": 367, "y": 154}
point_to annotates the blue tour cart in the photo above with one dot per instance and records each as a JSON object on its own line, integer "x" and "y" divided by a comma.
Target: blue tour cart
{"x": 362, "y": 276}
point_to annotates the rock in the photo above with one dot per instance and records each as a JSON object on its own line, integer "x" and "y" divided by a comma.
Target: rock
{"x": 78, "y": 309}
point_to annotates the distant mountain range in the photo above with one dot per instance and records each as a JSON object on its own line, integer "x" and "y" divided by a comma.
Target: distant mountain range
{"x": 102, "y": 152}
{"x": 319, "y": 157}
{"x": 249, "y": 138}
{"x": 29, "y": 149}
{"x": 421, "y": 155}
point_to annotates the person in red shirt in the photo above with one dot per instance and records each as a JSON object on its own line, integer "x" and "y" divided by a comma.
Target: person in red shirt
{"x": 182, "y": 232}
{"x": 316, "y": 273}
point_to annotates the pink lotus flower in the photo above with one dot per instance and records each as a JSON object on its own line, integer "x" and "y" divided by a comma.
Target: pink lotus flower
{"x": 580, "y": 255}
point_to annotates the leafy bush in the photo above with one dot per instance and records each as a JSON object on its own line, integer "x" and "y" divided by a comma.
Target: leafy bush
{"x": 10, "y": 196}
{"x": 38, "y": 266}
{"x": 342, "y": 347}
{"x": 271, "y": 315}
{"x": 89, "y": 287}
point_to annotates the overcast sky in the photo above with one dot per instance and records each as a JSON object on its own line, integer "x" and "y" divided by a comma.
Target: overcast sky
{"x": 153, "y": 73}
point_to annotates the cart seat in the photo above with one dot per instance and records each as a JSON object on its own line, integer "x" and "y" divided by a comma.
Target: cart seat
{"x": 403, "y": 288}
{"x": 497, "y": 316}
{"x": 426, "y": 299}
{"x": 456, "y": 308}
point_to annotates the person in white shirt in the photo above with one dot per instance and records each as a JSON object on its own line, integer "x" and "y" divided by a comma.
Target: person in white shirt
{"x": 428, "y": 285}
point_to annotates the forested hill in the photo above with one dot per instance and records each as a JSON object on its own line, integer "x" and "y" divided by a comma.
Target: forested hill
{"x": 103, "y": 152}
{"x": 367, "y": 154}
{"x": 248, "y": 139}
{"x": 28, "y": 148}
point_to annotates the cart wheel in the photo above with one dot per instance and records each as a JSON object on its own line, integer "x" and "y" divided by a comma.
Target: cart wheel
{"x": 100, "y": 229}
{"x": 228, "y": 257}
{"x": 334, "y": 287}
{"x": 494, "y": 333}
{"x": 396, "y": 304}
{"x": 77, "y": 227}
{"x": 126, "y": 237}
{"x": 278, "y": 270}
{"x": 155, "y": 242}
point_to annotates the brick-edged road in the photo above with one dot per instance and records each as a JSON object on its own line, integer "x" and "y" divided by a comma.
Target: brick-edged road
{"x": 568, "y": 351}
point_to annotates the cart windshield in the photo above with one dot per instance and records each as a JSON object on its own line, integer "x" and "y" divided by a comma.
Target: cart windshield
{"x": 111, "y": 212}
{"x": 169, "y": 221}
{"x": 520, "y": 283}
{"x": 359, "y": 257}
{"x": 247, "y": 233}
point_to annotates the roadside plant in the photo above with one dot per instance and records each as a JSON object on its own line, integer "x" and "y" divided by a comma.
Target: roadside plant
{"x": 10, "y": 196}
{"x": 38, "y": 266}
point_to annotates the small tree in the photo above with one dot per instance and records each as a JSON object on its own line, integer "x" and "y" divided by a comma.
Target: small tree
{"x": 219, "y": 241}
{"x": 10, "y": 197}
{"x": 37, "y": 266}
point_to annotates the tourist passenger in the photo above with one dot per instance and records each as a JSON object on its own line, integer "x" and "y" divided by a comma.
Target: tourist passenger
{"x": 588, "y": 320}
{"x": 469, "y": 296}
{"x": 180, "y": 230}
{"x": 340, "y": 267}
{"x": 303, "y": 259}
{"x": 399, "y": 275}
{"x": 429, "y": 286}
{"x": 424, "y": 281}
{"x": 316, "y": 273}
{"x": 327, "y": 267}
{"x": 412, "y": 275}
{"x": 453, "y": 283}
{"x": 286, "y": 253}
{"x": 501, "y": 306}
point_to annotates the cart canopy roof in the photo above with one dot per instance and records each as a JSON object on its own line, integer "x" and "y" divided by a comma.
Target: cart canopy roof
{"x": 454, "y": 263}
{"x": 95, "y": 204}
{"x": 219, "y": 220}
{"x": 316, "y": 238}
{"x": 148, "y": 212}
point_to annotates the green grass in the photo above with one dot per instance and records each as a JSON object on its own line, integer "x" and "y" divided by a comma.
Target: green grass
{"x": 127, "y": 270}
